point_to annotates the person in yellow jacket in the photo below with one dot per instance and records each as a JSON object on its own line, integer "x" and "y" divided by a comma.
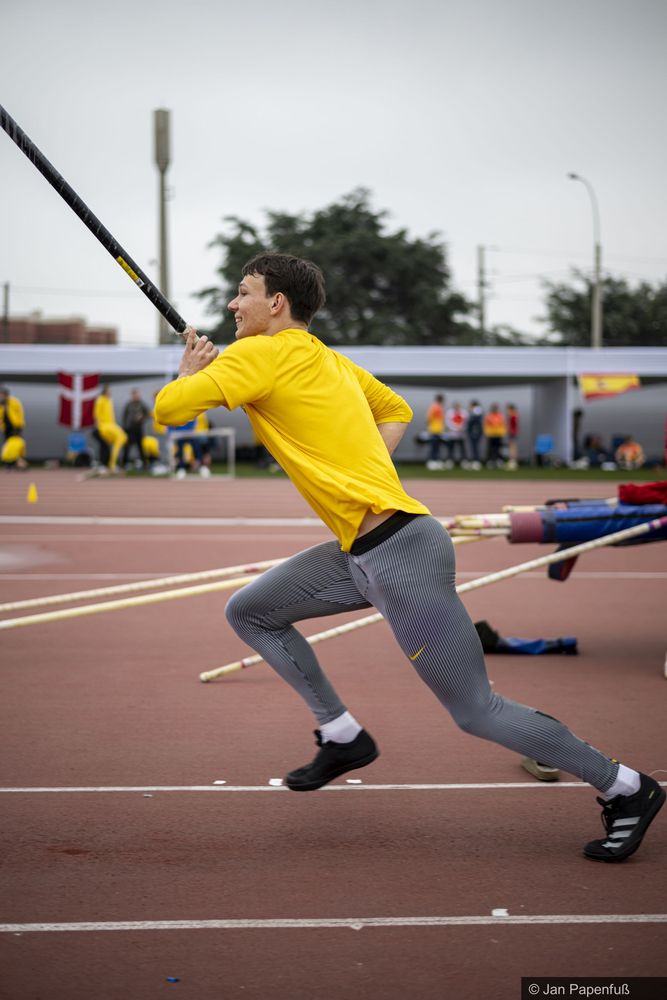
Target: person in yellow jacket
{"x": 160, "y": 434}
{"x": 12, "y": 425}
{"x": 333, "y": 427}
{"x": 12, "y": 418}
{"x": 202, "y": 424}
{"x": 107, "y": 428}
{"x": 14, "y": 452}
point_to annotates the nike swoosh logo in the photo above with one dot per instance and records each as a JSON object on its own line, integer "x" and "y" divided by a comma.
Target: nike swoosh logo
{"x": 417, "y": 653}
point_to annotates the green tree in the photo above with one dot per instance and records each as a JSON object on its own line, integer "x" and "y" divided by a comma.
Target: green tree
{"x": 382, "y": 287}
{"x": 632, "y": 317}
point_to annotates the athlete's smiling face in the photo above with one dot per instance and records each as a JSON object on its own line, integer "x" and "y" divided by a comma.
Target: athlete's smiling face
{"x": 252, "y": 307}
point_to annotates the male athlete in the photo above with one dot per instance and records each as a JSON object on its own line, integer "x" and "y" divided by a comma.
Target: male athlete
{"x": 332, "y": 427}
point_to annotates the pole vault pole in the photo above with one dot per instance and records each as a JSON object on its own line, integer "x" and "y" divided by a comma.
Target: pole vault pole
{"x": 480, "y": 581}
{"x": 99, "y": 231}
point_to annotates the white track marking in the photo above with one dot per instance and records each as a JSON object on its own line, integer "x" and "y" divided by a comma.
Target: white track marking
{"x": 193, "y": 522}
{"x": 199, "y": 536}
{"x": 84, "y": 576}
{"x": 580, "y": 575}
{"x": 472, "y": 786}
{"x": 351, "y": 923}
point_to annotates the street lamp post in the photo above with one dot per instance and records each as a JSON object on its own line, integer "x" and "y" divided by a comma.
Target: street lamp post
{"x": 596, "y": 305}
{"x": 162, "y": 160}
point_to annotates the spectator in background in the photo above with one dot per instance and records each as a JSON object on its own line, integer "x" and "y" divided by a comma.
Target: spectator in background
{"x": 435, "y": 426}
{"x": 494, "y": 432}
{"x": 202, "y": 424}
{"x": 475, "y": 432}
{"x": 629, "y": 454}
{"x": 594, "y": 450}
{"x": 456, "y": 420}
{"x": 151, "y": 449}
{"x": 12, "y": 417}
{"x": 12, "y": 425}
{"x": 13, "y": 453}
{"x": 263, "y": 458}
{"x": 135, "y": 414}
{"x": 577, "y": 418}
{"x": 107, "y": 429}
{"x": 188, "y": 450}
{"x": 160, "y": 432}
{"x": 512, "y": 436}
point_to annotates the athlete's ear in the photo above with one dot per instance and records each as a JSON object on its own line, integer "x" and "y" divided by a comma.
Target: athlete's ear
{"x": 277, "y": 303}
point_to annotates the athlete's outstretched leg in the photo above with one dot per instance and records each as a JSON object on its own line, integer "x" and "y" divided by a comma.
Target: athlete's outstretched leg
{"x": 411, "y": 579}
{"x": 312, "y": 584}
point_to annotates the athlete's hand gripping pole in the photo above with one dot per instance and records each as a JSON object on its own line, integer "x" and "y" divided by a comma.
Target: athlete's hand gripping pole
{"x": 198, "y": 353}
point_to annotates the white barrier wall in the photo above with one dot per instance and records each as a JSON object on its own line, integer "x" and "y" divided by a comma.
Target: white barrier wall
{"x": 541, "y": 382}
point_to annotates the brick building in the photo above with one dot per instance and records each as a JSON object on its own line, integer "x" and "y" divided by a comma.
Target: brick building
{"x": 35, "y": 329}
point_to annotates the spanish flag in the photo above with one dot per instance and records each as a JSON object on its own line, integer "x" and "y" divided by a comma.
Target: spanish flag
{"x": 600, "y": 386}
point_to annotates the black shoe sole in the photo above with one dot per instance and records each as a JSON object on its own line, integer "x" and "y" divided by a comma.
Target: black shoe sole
{"x": 648, "y": 819}
{"x": 312, "y": 786}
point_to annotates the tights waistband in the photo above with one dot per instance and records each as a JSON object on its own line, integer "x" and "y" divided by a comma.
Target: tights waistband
{"x": 382, "y": 532}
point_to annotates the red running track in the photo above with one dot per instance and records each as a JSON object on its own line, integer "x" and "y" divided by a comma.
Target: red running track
{"x": 113, "y": 701}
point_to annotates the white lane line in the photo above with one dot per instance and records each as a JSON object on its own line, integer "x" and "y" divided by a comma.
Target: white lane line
{"x": 85, "y": 576}
{"x": 578, "y": 575}
{"x": 353, "y": 923}
{"x": 477, "y": 786}
{"x": 582, "y": 575}
{"x": 221, "y": 522}
{"x": 265, "y": 535}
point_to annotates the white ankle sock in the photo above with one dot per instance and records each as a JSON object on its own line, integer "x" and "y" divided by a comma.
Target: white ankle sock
{"x": 627, "y": 782}
{"x": 344, "y": 729}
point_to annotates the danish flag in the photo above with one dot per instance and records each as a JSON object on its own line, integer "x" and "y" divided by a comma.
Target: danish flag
{"x": 77, "y": 398}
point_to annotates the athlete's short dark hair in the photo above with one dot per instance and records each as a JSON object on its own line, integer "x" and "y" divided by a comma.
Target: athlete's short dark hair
{"x": 301, "y": 281}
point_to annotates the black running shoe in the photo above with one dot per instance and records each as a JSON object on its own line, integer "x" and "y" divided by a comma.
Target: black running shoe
{"x": 332, "y": 759}
{"x": 626, "y": 818}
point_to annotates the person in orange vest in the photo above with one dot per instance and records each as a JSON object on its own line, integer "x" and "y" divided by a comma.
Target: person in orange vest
{"x": 494, "y": 432}
{"x": 629, "y": 454}
{"x": 435, "y": 426}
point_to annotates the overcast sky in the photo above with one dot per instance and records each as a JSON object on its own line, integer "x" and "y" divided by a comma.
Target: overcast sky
{"x": 461, "y": 117}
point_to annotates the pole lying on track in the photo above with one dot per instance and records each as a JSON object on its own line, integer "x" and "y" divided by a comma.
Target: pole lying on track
{"x": 168, "y": 581}
{"x": 482, "y": 581}
{"x": 99, "y": 231}
{"x": 126, "y": 602}
{"x": 167, "y": 595}
{"x": 127, "y": 588}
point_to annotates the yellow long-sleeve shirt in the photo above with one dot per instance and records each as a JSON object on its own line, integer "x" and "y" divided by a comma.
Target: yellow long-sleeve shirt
{"x": 316, "y": 412}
